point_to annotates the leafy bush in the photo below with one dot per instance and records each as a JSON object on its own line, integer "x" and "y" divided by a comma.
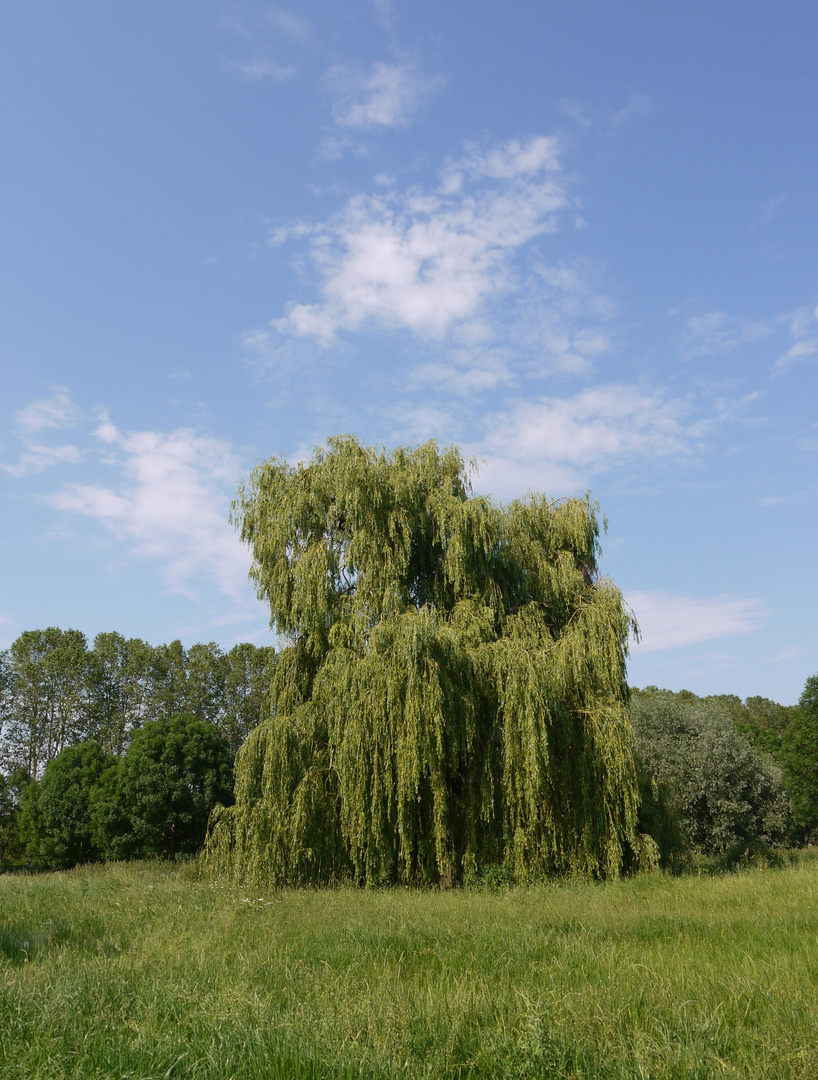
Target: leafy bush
{"x": 55, "y": 812}
{"x": 726, "y": 792}
{"x": 157, "y": 799}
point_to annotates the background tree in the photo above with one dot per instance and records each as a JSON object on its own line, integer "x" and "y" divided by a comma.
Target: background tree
{"x": 156, "y": 801}
{"x": 55, "y": 818}
{"x": 120, "y": 678}
{"x": 48, "y": 707}
{"x": 761, "y": 721}
{"x": 726, "y": 792}
{"x": 205, "y": 672}
{"x": 11, "y": 844}
{"x": 55, "y": 692}
{"x": 169, "y": 682}
{"x": 248, "y": 673}
{"x": 453, "y": 689}
{"x": 800, "y": 757}
{"x": 6, "y": 695}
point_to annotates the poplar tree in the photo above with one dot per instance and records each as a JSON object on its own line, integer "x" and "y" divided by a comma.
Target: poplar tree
{"x": 452, "y": 692}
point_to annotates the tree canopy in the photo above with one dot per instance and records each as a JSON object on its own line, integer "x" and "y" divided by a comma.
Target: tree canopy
{"x": 800, "y": 756}
{"x": 56, "y": 692}
{"x": 55, "y": 815}
{"x": 726, "y": 789}
{"x": 155, "y": 801}
{"x": 452, "y": 693}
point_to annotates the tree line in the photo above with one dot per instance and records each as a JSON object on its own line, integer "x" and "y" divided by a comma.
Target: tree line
{"x": 56, "y": 692}
{"x": 720, "y": 778}
{"x": 121, "y": 749}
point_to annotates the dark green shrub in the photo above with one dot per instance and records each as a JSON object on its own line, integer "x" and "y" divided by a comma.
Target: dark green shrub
{"x": 55, "y": 815}
{"x": 158, "y": 798}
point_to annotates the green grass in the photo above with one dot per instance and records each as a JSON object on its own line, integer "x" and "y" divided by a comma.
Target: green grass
{"x": 149, "y": 971}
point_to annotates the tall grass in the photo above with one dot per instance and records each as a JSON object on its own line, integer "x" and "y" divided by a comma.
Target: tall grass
{"x": 149, "y": 971}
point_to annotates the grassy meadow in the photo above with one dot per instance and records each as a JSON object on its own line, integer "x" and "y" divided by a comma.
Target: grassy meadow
{"x": 150, "y": 970}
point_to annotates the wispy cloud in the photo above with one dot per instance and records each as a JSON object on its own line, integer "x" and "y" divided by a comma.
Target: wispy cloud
{"x": 385, "y": 95}
{"x": 57, "y": 411}
{"x": 384, "y": 13}
{"x": 36, "y": 457}
{"x": 576, "y": 111}
{"x": 558, "y": 444}
{"x": 769, "y": 211}
{"x": 426, "y": 261}
{"x": 262, "y": 63}
{"x": 563, "y": 321}
{"x": 636, "y": 106}
{"x": 289, "y": 25}
{"x": 556, "y": 320}
{"x": 716, "y": 332}
{"x": 595, "y": 429}
{"x": 669, "y": 622}
{"x": 802, "y": 327}
{"x": 30, "y": 423}
{"x": 791, "y": 652}
{"x": 606, "y": 119}
{"x": 169, "y": 503}
{"x": 257, "y": 69}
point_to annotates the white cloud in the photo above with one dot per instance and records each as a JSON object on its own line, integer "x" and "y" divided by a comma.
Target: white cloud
{"x": 597, "y": 428}
{"x": 427, "y": 261}
{"x": 716, "y": 332}
{"x": 57, "y": 411}
{"x": 557, "y": 444}
{"x": 668, "y": 622}
{"x": 505, "y": 479}
{"x": 169, "y": 503}
{"x": 554, "y": 323}
{"x": 802, "y": 325}
{"x": 36, "y": 457}
{"x": 511, "y": 160}
{"x": 384, "y": 96}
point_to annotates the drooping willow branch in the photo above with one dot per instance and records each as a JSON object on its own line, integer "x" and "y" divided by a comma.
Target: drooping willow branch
{"x": 453, "y": 691}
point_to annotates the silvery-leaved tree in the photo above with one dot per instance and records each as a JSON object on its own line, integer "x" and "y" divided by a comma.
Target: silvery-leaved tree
{"x": 452, "y": 693}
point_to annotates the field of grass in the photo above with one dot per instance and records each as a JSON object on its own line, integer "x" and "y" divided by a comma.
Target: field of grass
{"x": 146, "y": 970}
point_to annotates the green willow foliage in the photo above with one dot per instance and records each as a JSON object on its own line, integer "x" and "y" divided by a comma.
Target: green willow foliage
{"x": 453, "y": 693}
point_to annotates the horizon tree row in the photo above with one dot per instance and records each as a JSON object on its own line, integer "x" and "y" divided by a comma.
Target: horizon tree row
{"x": 56, "y": 692}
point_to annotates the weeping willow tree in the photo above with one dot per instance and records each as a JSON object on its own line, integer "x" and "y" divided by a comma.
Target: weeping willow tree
{"x": 452, "y": 694}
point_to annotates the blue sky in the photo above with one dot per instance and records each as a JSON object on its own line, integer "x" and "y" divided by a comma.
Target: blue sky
{"x": 577, "y": 239}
